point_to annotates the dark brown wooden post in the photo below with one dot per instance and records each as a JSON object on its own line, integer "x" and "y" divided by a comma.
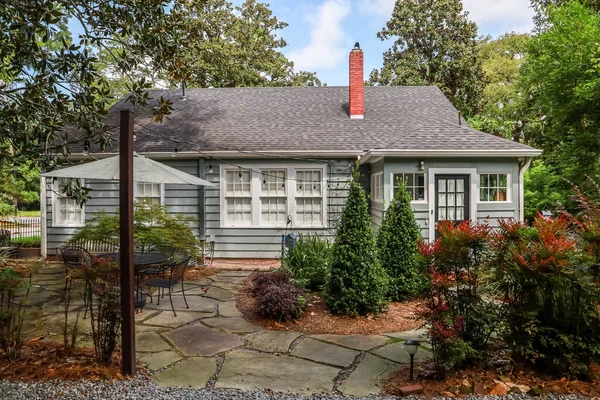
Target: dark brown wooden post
{"x": 126, "y": 242}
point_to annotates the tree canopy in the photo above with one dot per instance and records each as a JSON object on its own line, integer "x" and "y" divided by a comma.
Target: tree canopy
{"x": 435, "y": 43}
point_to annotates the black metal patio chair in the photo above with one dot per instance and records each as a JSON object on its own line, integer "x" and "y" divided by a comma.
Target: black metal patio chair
{"x": 161, "y": 269}
{"x": 176, "y": 276}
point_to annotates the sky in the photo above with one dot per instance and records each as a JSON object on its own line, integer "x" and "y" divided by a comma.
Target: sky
{"x": 321, "y": 33}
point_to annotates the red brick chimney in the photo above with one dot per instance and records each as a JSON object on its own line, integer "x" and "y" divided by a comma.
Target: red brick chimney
{"x": 357, "y": 83}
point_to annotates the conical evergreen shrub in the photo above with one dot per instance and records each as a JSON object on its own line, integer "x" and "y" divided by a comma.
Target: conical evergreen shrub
{"x": 358, "y": 284}
{"x": 398, "y": 249}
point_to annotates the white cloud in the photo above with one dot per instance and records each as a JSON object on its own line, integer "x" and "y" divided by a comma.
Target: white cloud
{"x": 327, "y": 38}
{"x": 491, "y": 16}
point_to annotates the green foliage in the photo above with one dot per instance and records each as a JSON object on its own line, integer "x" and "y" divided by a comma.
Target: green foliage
{"x": 152, "y": 225}
{"x": 12, "y": 312}
{"x": 358, "y": 284}
{"x": 562, "y": 72}
{"x": 434, "y": 44}
{"x": 19, "y": 186}
{"x": 232, "y": 46}
{"x": 30, "y": 242}
{"x": 398, "y": 250}
{"x": 544, "y": 190}
{"x": 309, "y": 262}
{"x": 551, "y": 309}
{"x": 276, "y": 297}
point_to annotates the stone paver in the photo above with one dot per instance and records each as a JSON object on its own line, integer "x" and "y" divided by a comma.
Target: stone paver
{"x": 191, "y": 372}
{"x": 199, "y": 340}
{"x": 236, "y": 274}
{"x": 150, "y": 342}
{"x": 272, "y": 341}
{"x": 368, "y": 376}
{"x": 356, "y": 342}
{"x": 231, "y": 287}
{"x": 415, "y": 334}
{"x": 325, "y": 353}
{"x": 167, "y": 319}
{"x": 228, "y": 309}
{"x": 156, "y": 361}
{"x": 396, "y": 352}
{"x": 219, "y": 294}
{"x": 233, "y": 324}
{"x": 195, "y": 303}
{"x": 247, "y": 370}
{"x": 230, "y": 279}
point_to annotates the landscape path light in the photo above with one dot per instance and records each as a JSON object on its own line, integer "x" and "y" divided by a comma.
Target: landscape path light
{"x": 412, "y": 346}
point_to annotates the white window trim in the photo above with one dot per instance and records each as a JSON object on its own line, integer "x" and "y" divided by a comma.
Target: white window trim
{"x": 426, "y": 188}
{"x": 56, "y": 210}
{"x": 162, "y": 191}
{"x": 473, "y": 187}
{"x": 255, "y": 185}
{"x": 508, "y": 200}
{"x": 381, "y": 192}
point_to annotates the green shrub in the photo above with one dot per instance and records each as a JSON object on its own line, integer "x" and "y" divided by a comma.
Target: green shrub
{"x": 152, "y": 225}
{"x": 358, "y": 284}
{"x": 398, "y": 247}
{"x": 31, "y": 242}
{"x": 276, "y": 297}
{"x": 309, "y": 262}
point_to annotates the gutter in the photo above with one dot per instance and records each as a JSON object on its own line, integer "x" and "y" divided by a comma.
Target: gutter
{"x": 242, "y": 154}
{"x": 522, "y": 170}
{"x": 449, "y": 153}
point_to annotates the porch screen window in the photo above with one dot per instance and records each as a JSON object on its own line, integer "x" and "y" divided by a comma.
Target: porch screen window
{"x": 148, "y": 193}
{"x": 415, "y": 184}
{"x": 238, "y": 197}
{"x": 377, "y": 187}
{"x": 66, "y": 211}
{"x": 273, "y": 197}
{"x": 493, "y": 187}
{"x": 309, "y": 197}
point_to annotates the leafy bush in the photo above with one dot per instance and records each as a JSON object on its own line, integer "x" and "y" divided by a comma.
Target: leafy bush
{"x": 276, "y": 297}
{"x": 460, "y": 321}
{"x": 551, "y": 306}
{"x": 358, "y": 284}
{"x": 31, "y": 242}
{"x": 398, "y": 248}
{"x": 152, "y": 225}
{"x": 309, "y": 262}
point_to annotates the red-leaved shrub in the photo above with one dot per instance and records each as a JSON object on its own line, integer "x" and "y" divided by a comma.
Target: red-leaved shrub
{"x": 276, "y": 297}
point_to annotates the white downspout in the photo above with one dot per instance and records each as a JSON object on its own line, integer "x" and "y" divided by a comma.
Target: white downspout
{"x": 522, "y": 170}
{"x": 43, "y": 222}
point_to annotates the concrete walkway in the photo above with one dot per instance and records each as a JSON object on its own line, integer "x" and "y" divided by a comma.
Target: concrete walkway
{"x": 210, "y": 344}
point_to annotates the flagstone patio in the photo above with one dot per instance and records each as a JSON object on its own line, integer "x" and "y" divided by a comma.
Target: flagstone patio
{"x": 211, "y": 345}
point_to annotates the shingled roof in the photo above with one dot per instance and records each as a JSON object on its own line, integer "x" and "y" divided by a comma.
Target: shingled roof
{"x": 308, "y": 119}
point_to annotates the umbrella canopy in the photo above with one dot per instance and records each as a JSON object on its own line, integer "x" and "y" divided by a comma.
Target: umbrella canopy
{"x": 144, "y": 170}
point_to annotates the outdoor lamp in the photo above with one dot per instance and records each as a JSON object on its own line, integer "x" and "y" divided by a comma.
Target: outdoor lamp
{"x": 412, "y": 346}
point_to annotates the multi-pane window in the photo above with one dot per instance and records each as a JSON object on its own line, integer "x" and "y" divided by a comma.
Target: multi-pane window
{"x": 415, "y": 184}
{"x": 493, "y": 187}
{"x": 452, "y": 201}
{"x": 66, "y": 211}
{"x": 148, "y": 193}
{"x": 377, "y": 187}
{"x": 238, "y": 197}
{"x": 273, "y": 197}
{"x": 309, "y": 197}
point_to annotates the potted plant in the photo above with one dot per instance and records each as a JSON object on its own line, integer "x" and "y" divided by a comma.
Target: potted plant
{"x": 30, "y": 247}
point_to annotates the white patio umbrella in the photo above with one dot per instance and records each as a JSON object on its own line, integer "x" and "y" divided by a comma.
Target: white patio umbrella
{"x": 144, "y": 170}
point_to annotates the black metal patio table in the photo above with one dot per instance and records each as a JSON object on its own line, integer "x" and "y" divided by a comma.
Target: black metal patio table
{"x": 140, "y": 259}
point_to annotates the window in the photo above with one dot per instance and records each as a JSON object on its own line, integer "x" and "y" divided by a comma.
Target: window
{"x": 415, "y": 184}
{"x": 149, "y": 193}
{"x": 238, "y": 197}
{"x": 309, "y": 198}
{"x": 377, "y": 187}
{"x": 266, "y": 196}
{"x": 493, "y": 187}
{"x": 273, "y": 197}
{"x": 65, "y": 211}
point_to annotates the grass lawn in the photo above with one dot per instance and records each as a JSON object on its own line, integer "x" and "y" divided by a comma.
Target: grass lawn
{"x": 35, "y": 213}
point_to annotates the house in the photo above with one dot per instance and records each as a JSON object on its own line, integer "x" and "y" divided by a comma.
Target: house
{"x": 282, "y": 158}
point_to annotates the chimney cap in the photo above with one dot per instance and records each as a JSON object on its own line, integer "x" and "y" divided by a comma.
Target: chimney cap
{"x": 356, "y": 46}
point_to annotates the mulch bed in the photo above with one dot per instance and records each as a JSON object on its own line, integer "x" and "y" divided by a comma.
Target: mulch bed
{"x": 197, "y": 273}
{"x": 450, "y": 386}
{"x": 42, "y": 360}
{"x": 318, "y": 320}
